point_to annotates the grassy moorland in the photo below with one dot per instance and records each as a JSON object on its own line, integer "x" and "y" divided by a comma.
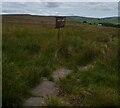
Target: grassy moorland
{"x": 29, "y": 47}
{"x": 111, "y": 20}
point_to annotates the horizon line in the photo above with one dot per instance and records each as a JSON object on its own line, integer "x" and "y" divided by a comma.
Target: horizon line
{"x": 56, "y": 15}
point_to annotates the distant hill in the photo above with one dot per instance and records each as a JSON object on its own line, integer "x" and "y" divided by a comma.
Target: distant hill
{"x": 112, "y": 21}
{"x": 105, "y": 18}
{"x": 27, "y": 18}
{"x": 110, "y": 18}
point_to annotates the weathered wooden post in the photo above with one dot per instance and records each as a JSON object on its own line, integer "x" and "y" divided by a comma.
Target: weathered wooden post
{"x": 58, "y": 36}
{"x": 60, "y": 23}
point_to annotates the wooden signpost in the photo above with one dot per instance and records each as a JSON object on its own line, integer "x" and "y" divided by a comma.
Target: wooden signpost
{"x": 60, "y": 23}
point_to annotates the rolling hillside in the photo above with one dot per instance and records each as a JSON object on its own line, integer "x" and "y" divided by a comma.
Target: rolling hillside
{"x": 111, "y": 20}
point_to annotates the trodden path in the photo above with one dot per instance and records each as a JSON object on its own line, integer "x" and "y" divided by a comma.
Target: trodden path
{"x": 47, "y": 89}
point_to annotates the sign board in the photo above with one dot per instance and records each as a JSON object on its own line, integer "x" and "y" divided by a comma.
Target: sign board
{"x": 60, "y": 22}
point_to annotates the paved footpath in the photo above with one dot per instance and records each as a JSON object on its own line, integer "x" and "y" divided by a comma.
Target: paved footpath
{"x": 46, "y": 89}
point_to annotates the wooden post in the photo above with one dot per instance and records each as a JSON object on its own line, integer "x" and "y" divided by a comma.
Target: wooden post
{"x": 60, "y": 23}
{"x": 58, "y": 36}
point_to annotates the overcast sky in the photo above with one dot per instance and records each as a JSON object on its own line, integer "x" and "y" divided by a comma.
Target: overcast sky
{"x": 88, "y": 9}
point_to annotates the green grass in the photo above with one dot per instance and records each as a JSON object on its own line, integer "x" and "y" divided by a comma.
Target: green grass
{"x": 97, "y": 86}
{"x": 54, "y": 101}
{"x": 94, "y": 21}
{"x": 29, "y": 55}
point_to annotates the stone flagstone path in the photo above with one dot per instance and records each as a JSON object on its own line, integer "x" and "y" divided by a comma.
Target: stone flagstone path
{"x": 46, "y": 89}
{"x": 60, "y": 73}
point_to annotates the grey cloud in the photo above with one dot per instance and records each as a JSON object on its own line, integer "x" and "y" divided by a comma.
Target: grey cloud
{"x": 102, "y": 6}
{"x": 119, "y": 9}
{"x": 52, "y": 4}
{"x": 62, "y": 8}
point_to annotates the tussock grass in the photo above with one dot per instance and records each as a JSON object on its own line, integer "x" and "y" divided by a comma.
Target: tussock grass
{"x": 97, "y": 86}
{"x": 29, "y": 55}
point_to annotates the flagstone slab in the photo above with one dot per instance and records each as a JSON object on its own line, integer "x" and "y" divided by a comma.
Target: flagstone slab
{"x": 60, "y": 74}
{"x": 35, "y": 101}
{"x": 45, "y": 89}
